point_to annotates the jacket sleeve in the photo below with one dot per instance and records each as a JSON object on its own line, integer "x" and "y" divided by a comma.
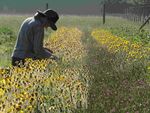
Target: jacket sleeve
{"x": 38, "y": 49}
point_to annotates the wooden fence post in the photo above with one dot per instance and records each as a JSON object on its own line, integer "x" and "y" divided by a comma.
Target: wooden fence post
{"x": 104, "y": 13}
{"x": 46, "y": 6}
{"x": 147, "y": 21}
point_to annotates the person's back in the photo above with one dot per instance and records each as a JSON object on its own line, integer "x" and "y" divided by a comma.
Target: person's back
{"x": 24, "y": 45}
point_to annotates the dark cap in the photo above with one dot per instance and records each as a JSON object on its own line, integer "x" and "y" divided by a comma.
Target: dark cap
{"x": 52, "y": 17}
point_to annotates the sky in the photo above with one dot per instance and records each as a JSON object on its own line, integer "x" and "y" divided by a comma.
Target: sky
{"x": 53, "y": 3}
{"x": 61, "y": 5}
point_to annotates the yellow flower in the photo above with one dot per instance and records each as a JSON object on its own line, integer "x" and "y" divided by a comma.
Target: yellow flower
{"x": 2, "y": 81}
{"x": 2, "y": 92}
{"x": 21, "y": 111}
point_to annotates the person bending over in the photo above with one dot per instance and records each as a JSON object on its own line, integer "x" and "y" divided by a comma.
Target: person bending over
{"x": 29, "y": 43}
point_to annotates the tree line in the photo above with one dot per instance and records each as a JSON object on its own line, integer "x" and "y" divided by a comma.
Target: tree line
{"x": 133, "y": 2}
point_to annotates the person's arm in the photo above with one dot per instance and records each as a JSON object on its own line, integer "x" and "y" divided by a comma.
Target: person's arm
{"x": 39, "y": 51}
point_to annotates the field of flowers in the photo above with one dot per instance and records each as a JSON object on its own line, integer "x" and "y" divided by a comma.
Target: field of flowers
{"x": 101, "y": 68}
{"x": 121, "y": 69}
{"x": 128, "y": 50}
{"x": 47, "y": 86}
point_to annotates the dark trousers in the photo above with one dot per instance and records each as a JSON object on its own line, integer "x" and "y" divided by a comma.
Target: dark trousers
{"x": 17, "y": 62}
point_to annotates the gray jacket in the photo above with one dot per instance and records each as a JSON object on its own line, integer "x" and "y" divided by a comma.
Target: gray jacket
{"x": 29, "y": 43}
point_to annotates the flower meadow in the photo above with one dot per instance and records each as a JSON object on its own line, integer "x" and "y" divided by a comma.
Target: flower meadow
{"x": 117, "y": 44}
{"x": 127, "y": 50}
{"x": 47, "y": 86}
{"x": 121, "y": 74}
{"x": 101, "y": 73}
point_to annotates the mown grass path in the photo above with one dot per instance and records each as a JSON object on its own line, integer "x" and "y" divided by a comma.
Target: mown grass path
{"x": 113, "y": 88}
